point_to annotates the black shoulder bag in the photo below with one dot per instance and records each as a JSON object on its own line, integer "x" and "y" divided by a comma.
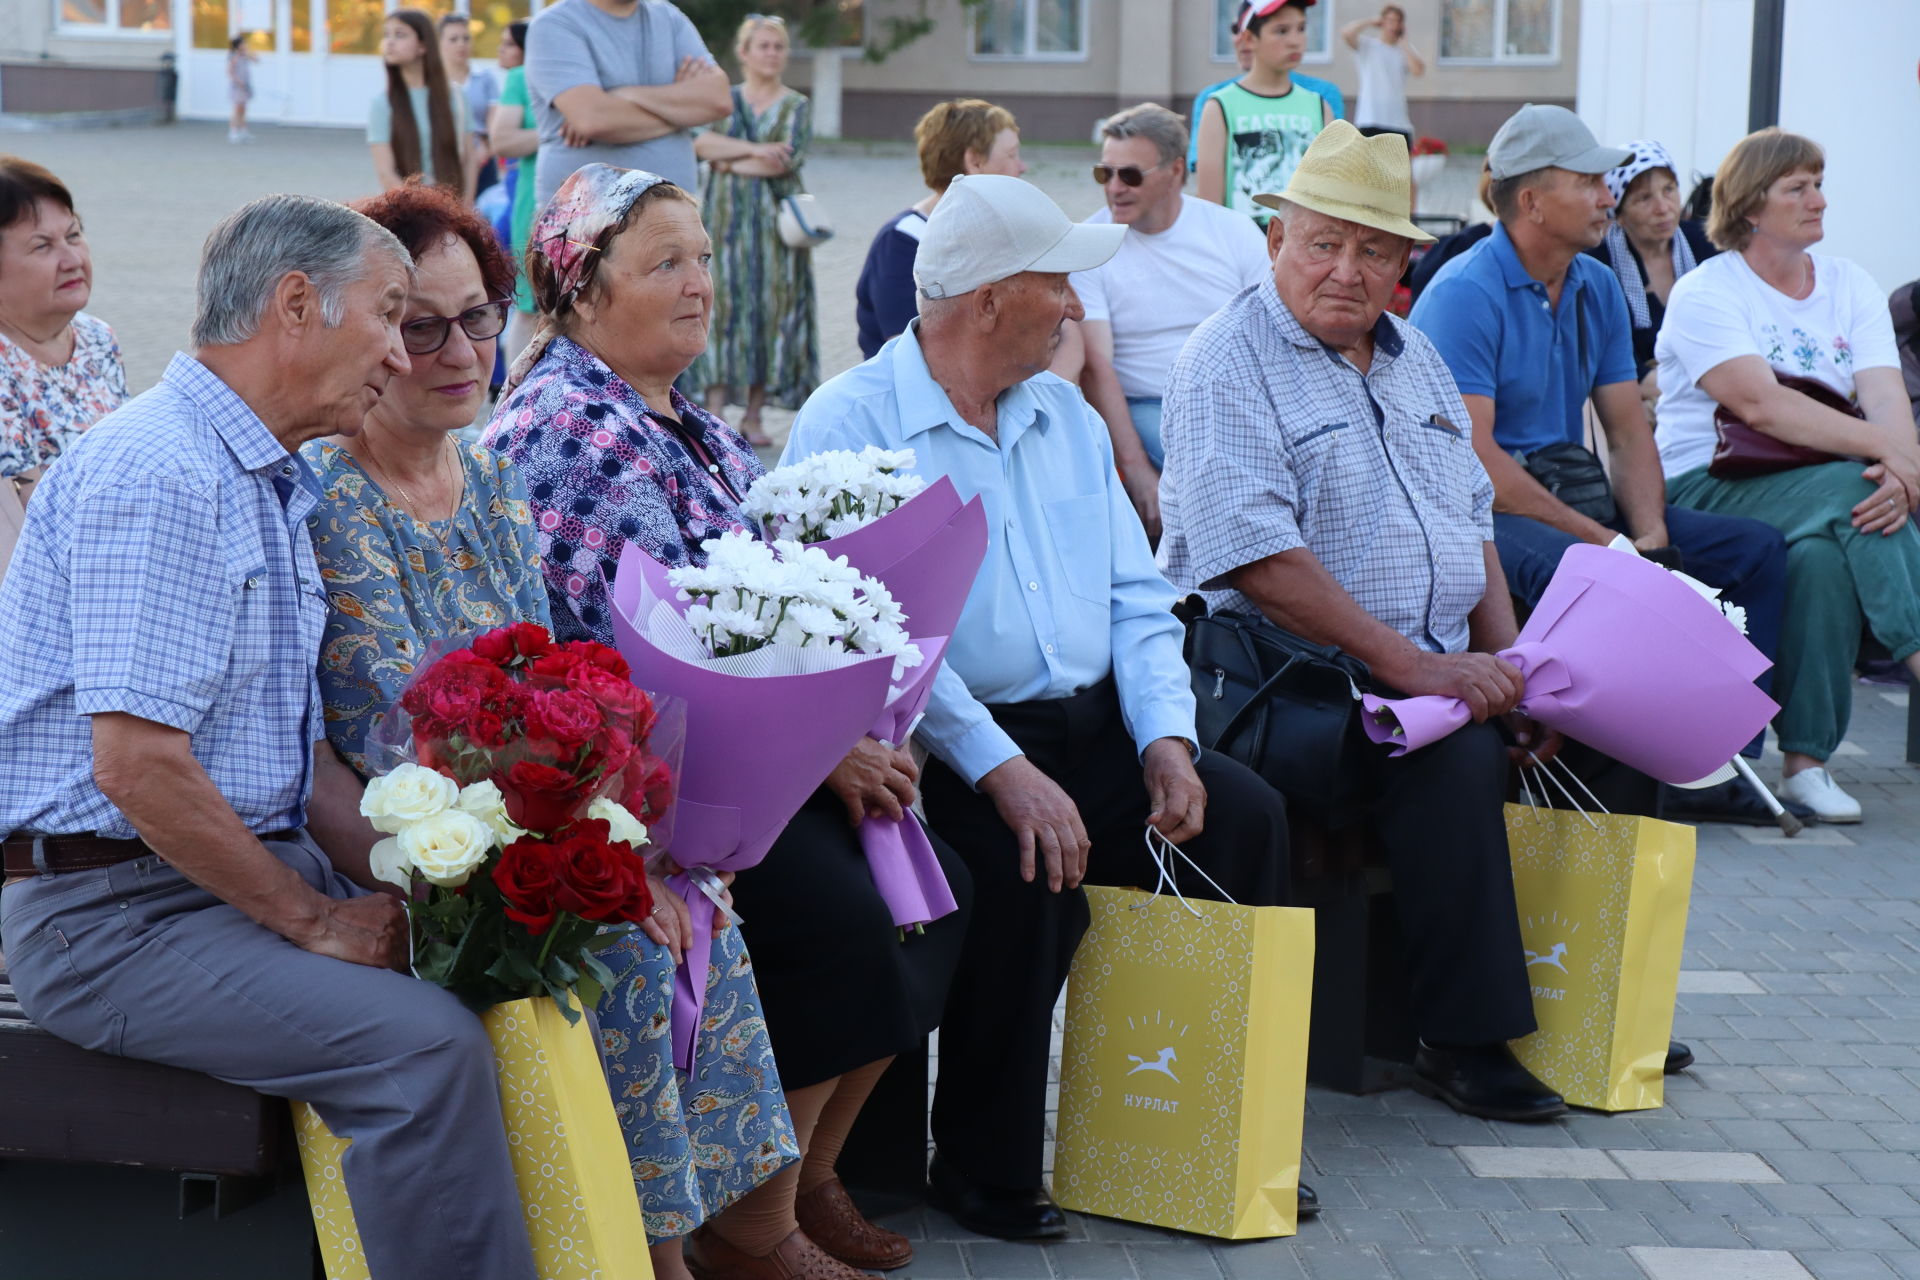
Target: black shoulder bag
{"x": 1569, "y": 470}
{"x": 1283, "y": 706}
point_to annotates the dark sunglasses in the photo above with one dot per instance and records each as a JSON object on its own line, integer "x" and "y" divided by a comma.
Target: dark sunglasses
{"x": 1131, "y": 174}
{"x": 425, "y": 335}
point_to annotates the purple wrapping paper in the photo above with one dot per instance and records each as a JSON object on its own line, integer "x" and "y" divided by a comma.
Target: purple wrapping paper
{"x": 756, "y": 748}
{"x": 1623, "y": 656}
{"x": 905, "y": 869}
{"x": 927, "y": 551}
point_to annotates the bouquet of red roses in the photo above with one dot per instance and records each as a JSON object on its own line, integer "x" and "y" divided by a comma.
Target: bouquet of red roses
{"x": 538, "y": 779}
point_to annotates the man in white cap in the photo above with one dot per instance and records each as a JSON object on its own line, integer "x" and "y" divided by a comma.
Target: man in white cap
{"x": 1532, "y": 328}
{"x": 1063, "y": 724}
{"x": 1320, "y": 476}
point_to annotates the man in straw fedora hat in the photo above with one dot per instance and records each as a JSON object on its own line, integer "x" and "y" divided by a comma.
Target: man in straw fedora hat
{"x": 1321, "y": 475}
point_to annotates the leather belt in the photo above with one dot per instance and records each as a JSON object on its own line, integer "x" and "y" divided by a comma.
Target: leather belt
{"x": 58, "y": 854}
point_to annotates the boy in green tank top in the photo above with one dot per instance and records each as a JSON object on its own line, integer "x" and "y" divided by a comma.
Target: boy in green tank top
{"x": 1254, "y": 131}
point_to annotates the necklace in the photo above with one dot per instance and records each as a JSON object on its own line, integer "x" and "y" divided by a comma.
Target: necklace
{"x": 412, "y": 508}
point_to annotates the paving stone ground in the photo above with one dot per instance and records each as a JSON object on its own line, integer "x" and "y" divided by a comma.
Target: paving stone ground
{"x": 1791, "y": 1151}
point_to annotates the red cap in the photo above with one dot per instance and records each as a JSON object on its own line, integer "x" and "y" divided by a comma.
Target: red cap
{"x": 1261, "y": 8}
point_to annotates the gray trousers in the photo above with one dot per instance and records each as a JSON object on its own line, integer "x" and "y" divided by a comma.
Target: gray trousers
{"x": 135, "y": 960}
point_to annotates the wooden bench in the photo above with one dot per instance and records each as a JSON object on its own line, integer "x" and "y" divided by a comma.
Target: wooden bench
{"x": 107, "y": 1163}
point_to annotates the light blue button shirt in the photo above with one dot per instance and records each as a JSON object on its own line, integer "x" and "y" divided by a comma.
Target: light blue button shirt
{"x": 1068, "y": 593}
{"x": 165, "y": 572}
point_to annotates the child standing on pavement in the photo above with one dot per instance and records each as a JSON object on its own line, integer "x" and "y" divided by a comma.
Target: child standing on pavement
{"x": 1254, "y": 131}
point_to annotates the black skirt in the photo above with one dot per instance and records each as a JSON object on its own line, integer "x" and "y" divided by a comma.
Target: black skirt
{"x": 839, "y": 986}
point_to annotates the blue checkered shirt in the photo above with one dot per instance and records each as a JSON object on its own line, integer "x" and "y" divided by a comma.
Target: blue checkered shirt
{"x": 1275, "y": 442}
{"x": 165, "y": 571}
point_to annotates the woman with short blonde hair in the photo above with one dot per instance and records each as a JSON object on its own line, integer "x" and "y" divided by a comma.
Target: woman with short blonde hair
{"x": 966, "y": 135}
{"x": 1737, "y": 329}
{"x": 764, "y": 347}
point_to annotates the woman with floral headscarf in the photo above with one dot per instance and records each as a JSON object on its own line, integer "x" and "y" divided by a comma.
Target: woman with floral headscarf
{"x": 613, "y": 454}
{"x": 1649, "y": 245}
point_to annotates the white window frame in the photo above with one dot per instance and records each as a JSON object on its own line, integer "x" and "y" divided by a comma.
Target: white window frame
{"x": 1503, "y": 59}
{"x": 111, "y": 28}
{"x": 1033, "y": 19}
{"x": 1223, "y": 44}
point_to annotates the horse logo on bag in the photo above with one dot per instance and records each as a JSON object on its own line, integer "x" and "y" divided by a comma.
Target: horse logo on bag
{"x": 1534, "y": 932}
{"x": 1159, "y": 1062}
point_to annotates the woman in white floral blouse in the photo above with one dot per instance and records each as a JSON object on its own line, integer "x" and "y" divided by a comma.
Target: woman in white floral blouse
{"x": 60, "y": 369}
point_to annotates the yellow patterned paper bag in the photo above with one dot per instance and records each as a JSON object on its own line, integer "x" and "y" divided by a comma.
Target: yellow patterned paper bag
{"x": 1603, "y": 916}
{"x": 1184, "y": 1070}
{"x": 569, "y": 1155}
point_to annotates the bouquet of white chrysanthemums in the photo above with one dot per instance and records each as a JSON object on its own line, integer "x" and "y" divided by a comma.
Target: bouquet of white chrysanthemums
{"x": 831, "y": 493}
{"x": 752, "y": 594}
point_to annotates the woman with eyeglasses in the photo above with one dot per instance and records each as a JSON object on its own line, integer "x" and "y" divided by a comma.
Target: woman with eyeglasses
{"x": 419, "y": 536}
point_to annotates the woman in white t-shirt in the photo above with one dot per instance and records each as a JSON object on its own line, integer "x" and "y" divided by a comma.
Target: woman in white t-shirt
{"x": 1766, "y": 308}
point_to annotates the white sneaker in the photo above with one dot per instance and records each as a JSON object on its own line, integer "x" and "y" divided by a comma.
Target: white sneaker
{"x": 1816, "y": 789}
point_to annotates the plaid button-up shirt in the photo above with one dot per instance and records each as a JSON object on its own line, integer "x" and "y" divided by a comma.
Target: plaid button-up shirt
{"x": 165, "y": 571}
{"x": 1274, "y": 442}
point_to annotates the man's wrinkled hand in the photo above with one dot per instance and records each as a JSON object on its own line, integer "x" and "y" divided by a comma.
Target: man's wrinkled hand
{"x": 370, "y": 931}
{"x": 1534, "y": 743}
{"x": 1043, "y": 818}
{"x": 1489, "y": 685}
{"x": 875, "y": 779}
{"x": 1175, "y": 794}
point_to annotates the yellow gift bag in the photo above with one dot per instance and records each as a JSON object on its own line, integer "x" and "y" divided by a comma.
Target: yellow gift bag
{"x": 1603, "y": 914}
{"x": 1183, "y": 1075}
{"x": 569, "y": 1155}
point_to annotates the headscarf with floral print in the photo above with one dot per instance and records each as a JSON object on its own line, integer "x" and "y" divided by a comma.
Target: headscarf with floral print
{"x": 567, "y": 233}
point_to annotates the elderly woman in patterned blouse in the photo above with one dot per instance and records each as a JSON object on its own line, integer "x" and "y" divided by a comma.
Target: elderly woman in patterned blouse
{"x": 60, "y": 369}
{"x": 613, "y": 454}
{"x": 422, "y": 539}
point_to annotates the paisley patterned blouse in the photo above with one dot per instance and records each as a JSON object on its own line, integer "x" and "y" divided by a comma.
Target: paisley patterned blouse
{"x": 603, "y": 468}
{"x": 396, "y": 584}
{"x": 43, "y": 409}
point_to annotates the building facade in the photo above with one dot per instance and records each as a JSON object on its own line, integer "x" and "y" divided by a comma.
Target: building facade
{"x": 1059, "y": 65}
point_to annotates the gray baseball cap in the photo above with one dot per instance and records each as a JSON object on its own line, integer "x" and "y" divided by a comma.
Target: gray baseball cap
{"x": 1542, "y": 137}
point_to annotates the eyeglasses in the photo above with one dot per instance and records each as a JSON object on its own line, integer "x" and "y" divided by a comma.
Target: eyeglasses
{"x": 425, "y": 335}
{"x": 1131, "y": 174}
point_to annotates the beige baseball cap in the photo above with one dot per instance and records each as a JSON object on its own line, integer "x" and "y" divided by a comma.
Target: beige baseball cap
{"x": 988, "y": 227}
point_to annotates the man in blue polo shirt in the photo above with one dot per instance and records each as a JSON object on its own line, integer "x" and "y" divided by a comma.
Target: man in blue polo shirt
{"x": 1532, "y": 328}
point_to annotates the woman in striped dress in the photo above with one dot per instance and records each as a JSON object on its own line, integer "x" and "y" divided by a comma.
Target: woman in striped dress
{"x": 764, "y": 348}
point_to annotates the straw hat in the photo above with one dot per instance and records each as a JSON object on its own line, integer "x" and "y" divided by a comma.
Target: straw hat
{"x": 1354, "y": 178}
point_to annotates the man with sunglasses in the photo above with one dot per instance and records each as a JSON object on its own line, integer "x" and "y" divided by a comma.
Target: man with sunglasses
{"x": 1180, "y": 261}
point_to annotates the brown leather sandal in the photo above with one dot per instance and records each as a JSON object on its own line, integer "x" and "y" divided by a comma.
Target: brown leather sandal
{"x": 795, "y": 1258}
{"x": 831, "y": 1220}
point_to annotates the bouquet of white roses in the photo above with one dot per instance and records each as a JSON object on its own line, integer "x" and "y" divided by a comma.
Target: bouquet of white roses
{"x": 832, "y": 493}
{"x": 751, "y": 594}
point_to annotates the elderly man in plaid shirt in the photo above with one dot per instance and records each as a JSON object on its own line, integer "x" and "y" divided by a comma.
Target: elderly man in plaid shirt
{"x": 1320, "y": 474}
{"x": 186, "y": 865}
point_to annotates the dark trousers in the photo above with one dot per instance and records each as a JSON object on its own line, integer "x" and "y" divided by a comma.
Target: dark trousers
{"x": 1746, "y": 559}
{"x": 1441, "y": 826}
{"x": 990, "y": 1103}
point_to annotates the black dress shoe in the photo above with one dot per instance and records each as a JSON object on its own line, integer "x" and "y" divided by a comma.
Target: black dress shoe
{"x": 994, "y": 1211}
{"x": 1732, "y": 801}
{"x": 1309, "y": 1203}
{"x": 1485, "y": 1080}
{"x": 1679, "y": 1057}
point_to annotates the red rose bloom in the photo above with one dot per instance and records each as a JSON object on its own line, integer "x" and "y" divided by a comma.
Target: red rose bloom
{"x": 555, "y": 664}
{"x": 503, "y": 645}
{"x": 649, "y": 789}
{"x": 599, "y": 655}
{"x": 600, "y": 880}
{"x": 539, "y": 797}
{"x": 527, "y": 875}
{"x": 562, "y": 715}
{"x": 623, "y": 702}
{"x": 611, "y": 751}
